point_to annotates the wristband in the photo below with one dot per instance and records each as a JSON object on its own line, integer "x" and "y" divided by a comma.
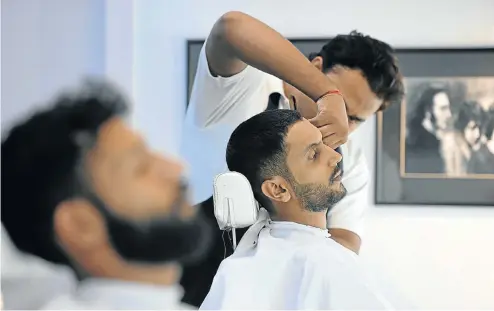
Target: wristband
{"x": 329, "y": 93}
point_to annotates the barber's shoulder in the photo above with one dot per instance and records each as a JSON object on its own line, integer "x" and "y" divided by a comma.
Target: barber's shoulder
{"x": 215, "y": 98}
{"x": 222, "y": 59}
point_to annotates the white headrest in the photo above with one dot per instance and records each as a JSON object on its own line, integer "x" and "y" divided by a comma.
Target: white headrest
{"x": 29, "y": 282}
{"x": 234, "y": 203}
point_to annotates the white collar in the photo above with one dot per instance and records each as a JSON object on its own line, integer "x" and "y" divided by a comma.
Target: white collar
{"x": 251, "y": 237}
{"x": 280, "y": 226}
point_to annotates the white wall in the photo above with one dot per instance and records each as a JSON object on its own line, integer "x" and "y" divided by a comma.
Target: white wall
{"x": 442, "y": 257}
{"x": 47, "y": 45}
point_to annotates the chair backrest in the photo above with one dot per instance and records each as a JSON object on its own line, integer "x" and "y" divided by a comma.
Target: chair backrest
{"x": 234, "y": 202}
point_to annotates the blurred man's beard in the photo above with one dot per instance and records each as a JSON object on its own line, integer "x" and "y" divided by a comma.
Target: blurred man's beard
{"x": 158, "y": 240}
{"x": 319, "y": 197}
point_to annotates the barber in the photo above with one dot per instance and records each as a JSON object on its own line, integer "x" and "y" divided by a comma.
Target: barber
{"x": 246, "y": 67}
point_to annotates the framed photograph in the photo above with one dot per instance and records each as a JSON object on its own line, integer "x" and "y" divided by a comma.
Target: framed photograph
{"x": 428, "y": 155}
{"x": 437, "y": 147}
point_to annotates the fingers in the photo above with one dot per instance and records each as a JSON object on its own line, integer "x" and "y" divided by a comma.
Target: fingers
{"x": 328, "y": 130}
{"x": 330, "y": 138}
{"x": 337, "y": 144}
{"x": 317, "y": 121}
{"x": 330, "y": 142}
{"x": 333, "y": 142}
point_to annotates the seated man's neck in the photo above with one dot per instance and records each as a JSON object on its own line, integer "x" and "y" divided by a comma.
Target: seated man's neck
{"x": 302, "y": 216}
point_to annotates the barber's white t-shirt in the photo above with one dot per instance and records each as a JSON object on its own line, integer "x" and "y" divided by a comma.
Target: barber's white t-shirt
{"x": 218, "y": 105}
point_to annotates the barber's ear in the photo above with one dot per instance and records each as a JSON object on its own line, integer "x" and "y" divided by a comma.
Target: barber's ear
{"x": 79, "y": 226}
{"x": 318, "y": 62}
{"x": 276, "y": 189}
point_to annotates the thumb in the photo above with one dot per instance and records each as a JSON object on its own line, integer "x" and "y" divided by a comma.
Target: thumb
{"x": 317, "y": 120}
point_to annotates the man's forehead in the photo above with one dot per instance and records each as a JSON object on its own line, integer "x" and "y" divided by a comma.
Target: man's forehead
{"x": 115, "y": 136}
{"x": 302, "y": 134}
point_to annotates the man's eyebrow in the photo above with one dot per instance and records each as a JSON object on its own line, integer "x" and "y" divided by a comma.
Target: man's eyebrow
{"x": 355, "y": 118}
{"x": 312, "y": 146}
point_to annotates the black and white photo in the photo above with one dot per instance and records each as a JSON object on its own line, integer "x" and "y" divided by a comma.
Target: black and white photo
{"x": 437, "y": 147}
{"x": 449, "y": 126}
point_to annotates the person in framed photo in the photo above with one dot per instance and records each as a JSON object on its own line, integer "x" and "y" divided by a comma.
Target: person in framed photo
{"x": 470, "y": 150}
{"x": 468, "y": 137}
{"x": 490, "y": 130}
{"x": 430, "y": 122}
{"x": 475, "y": 127}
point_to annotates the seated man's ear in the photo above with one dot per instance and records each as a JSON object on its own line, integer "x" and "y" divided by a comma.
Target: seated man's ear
{"x": 276, "y": 189}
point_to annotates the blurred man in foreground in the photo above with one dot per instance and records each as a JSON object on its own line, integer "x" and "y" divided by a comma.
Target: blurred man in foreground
{"x": 81, "y": 188}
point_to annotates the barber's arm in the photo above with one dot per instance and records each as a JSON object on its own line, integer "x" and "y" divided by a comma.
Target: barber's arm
{"x": 238, "y": 40}
{"x": 346, "y": 218}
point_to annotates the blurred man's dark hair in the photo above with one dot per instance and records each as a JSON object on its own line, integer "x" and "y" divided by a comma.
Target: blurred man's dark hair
{"x": 40, "y": 157}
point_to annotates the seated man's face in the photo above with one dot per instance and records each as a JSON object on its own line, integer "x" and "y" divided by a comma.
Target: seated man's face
{"x": 317, "y": 178}
{"x": 135, "y": 206}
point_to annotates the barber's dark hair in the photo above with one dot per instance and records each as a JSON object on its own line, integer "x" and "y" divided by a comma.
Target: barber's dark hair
{"x": 374, "y": 58}
{"x": 40, "y": 157}
{"x": 257, "y": 149}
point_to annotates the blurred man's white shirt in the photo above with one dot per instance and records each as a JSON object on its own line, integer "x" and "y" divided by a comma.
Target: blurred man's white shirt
{"x": 102, "y": 294}
{"x": 29, "y": 282}
{"x": 284, "y": 265}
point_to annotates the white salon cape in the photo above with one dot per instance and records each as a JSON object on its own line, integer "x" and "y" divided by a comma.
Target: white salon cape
{"x": 284, "y": 265}
{"x": 29, "y": 282}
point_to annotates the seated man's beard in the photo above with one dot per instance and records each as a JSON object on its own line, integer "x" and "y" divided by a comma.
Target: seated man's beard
{"x": 160, "y": 239}
{"x": 319, "y": 197}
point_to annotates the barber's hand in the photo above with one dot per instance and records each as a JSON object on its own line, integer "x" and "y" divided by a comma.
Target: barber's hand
{"x": 332, "y": 120}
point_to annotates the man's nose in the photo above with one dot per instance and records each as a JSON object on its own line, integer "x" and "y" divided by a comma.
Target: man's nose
{"x": 340, "y": 159}
{"x": 171, "y": 168}
{"x": 334, "y": 156}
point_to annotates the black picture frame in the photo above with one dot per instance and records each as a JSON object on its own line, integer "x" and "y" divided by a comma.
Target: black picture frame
{"x": 402, "y": 173}
{"x": 449, "y": 62}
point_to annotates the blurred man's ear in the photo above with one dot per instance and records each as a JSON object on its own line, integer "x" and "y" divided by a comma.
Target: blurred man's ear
{"x": 79, "y": 226}
{"x": 276, "y": 189}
